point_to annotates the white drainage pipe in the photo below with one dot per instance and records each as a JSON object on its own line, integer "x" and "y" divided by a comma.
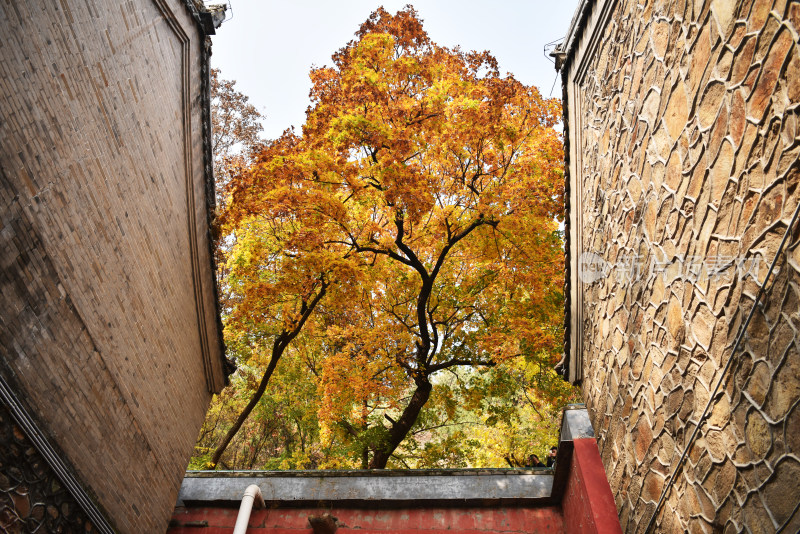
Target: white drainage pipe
{"x": 251, "y": 495}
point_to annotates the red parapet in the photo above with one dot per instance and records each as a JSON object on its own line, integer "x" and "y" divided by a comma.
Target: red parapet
{"x": 588, "y": 504}
{"x": 575, "y": 497}
{"x": 467, "y": 520}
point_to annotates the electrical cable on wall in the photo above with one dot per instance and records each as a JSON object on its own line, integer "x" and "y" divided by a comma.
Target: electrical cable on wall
{"x": 723, "y": 376}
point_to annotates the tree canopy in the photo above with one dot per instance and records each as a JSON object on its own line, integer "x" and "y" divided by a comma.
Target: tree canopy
{"x": 405, "y": 249}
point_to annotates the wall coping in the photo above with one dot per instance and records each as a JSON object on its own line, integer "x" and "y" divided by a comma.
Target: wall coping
{"x": 383, "y": 488}
{"x": 398, "y": 487}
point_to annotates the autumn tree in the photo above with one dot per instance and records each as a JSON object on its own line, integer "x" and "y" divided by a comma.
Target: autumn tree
{"x": 235, "y": 131}
{"x": 518, "y": 407}
{"x": 235, "y": 139}
{"x": 440, "y": 181}
{"x": 282, "y": 431}
{"x": 281, "y": 262}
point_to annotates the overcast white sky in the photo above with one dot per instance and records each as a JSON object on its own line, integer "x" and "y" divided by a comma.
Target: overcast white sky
{"x": 269, "y": 46}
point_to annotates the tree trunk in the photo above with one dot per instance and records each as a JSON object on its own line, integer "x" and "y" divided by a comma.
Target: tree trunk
{"x": 277, "y": 351}
{"x": 278, "y": 347}
{"x": 401, "y": 427}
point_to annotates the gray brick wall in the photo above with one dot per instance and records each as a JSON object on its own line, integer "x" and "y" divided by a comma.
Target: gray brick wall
{"x": 107, "y": 324}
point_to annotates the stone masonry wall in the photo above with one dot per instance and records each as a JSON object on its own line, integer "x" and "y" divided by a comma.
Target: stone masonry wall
{"x": 688, "y": 176}
{"x": 32, "y": 498}
{"x": 107, "y": 315}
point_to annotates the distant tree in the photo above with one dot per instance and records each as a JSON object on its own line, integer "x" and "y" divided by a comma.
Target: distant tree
{"x": 235, "y": 131}
{"x": 282, "y": 431}
{"x": 440, "y": 182}
{"x": 235, "y": 139}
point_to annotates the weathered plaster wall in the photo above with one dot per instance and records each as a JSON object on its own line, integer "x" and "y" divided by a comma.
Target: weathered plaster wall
{"x": 107, "y": 325}
{"x": 684, "y": 171}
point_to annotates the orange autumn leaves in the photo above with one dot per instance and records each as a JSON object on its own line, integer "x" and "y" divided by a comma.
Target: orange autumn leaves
{"x": 425, "y": 192}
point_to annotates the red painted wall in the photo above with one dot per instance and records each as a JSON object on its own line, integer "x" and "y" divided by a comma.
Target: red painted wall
{"x": 581, "y": 503}
{"x": 587, "y": 504}
{"x": 363, "y": 521}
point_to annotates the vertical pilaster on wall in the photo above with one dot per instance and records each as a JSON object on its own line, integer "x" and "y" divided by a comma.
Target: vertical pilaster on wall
{"x": 580, "y": 480}
{"x": 584, "y": 265}
{"x": 216, "y": 372}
